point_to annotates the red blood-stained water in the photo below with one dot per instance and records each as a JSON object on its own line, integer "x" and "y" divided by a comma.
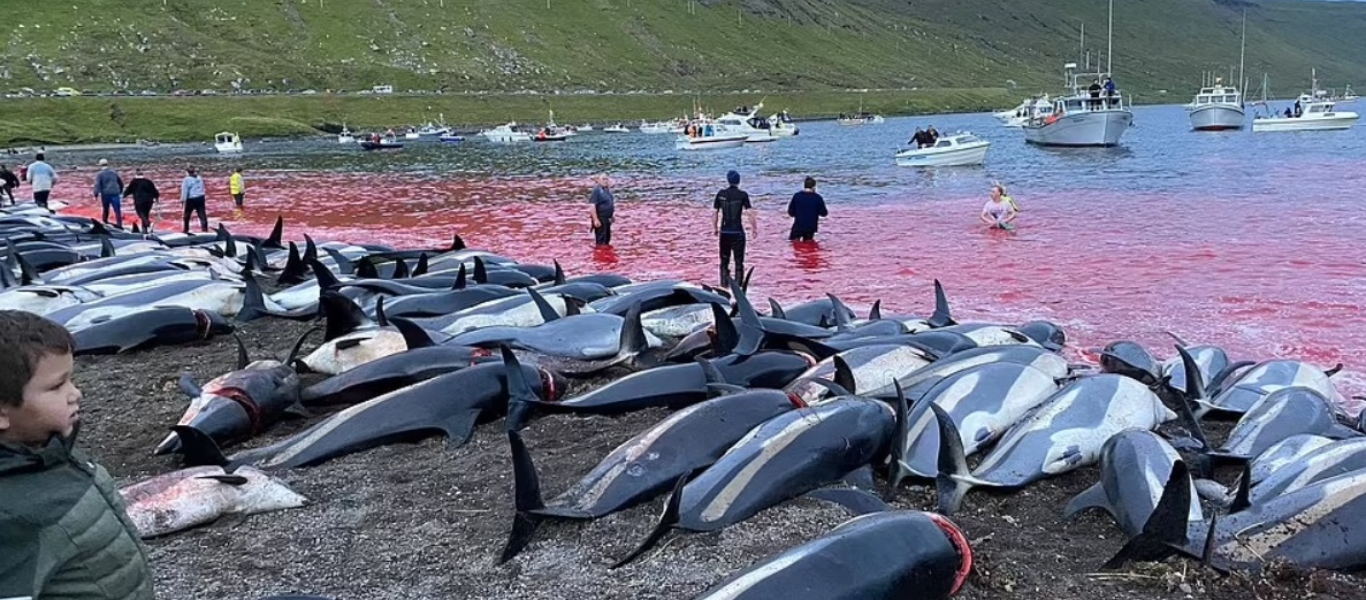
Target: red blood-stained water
{"x": 1255, "y": 271}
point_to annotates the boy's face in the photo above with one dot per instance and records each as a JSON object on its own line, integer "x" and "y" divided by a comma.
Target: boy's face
{"x": 51, "y": 404}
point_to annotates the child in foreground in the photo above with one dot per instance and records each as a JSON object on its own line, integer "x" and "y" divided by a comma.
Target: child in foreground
{"x": 64, "y": 531}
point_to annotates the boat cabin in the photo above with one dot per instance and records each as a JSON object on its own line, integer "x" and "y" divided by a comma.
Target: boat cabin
{"x": 1218, "y": 95}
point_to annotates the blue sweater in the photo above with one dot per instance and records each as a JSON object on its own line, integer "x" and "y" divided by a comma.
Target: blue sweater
{"x": 806, "y": 208}
{"x": 192, "y": 187}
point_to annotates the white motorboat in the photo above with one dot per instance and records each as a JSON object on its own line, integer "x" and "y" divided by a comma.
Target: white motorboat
{"x": 1040, "y": 106}
{"x": 227, "y": 143}
{"x": 1079, "y": 119}
{"x": 1316, "y": 116}
{"x": 862, "y": 118}
{"x": 953, "y": 150}
{"x": 346, "y": 137}
{"x": 719, "y": 139}
{"x": 412, "y": 135}
{"x": 585, "y": 127}
{"x": 618, "y": 128}
{"x": 505, "y": 134}
{"x": 780, "y": 124}
{"x": 1217, "y": 108}
{"x": 450, "y": 138}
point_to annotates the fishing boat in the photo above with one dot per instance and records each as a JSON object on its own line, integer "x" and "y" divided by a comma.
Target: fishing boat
{"x": 586, "y": 127}
{"x": 780, "y": 124}
{"x": 618, "y": 128}
{"x": 713, "y": 137}
{"x": 1080, "y": 119}
{"x": 1318, "y": 115}
{"x": 450, "y": 138}
{"x": 506, "y": 134}
{"x": 952, "y": 150}
{"x": 346, "y": 137}
{"x": 862, "y": 118}
{"x": 1040, "y": 106}
{"x": 547, "y": 134}
{"x": 381, "y": 143}
{"x": 227, "y": 143}
{"x": 1219, "y": 107}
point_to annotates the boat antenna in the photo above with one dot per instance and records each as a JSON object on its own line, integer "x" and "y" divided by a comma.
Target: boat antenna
{"x": 1109, "y": 42}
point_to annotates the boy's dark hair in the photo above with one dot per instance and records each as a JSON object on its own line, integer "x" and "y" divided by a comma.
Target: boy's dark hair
{"x": 810, "y": 183}
{"x": 39, "y": 156}
{"x": 26, "y": 338}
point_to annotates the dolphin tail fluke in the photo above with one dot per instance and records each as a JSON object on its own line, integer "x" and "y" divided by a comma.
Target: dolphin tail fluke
{"x": 633, "y": 341}
{"x": 666, "y": 522}
{"x": 1166, "y": 531}
{"x": 198, "y": 449}
{"x": 897, "y": 466}
{"x": 527, "y": 497}
{"x": 841, "y": 312}
{"x": 941, "y": 317}
{"x": 710, "y": 372}
{"x": 253, "y": 301}
{"x": 520, "y": 396}
{"x": 954, "y": 479}
{"x": 1241, "y": 500}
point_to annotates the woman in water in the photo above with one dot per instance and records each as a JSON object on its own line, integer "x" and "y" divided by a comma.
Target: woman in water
{"x": 999, "y": 210}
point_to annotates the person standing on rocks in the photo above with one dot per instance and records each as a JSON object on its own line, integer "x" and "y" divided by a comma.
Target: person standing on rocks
{"x": 730, "y": 205}
{"x": 109, "y": 189}
{"x": 192, "y": 196}
{"x": 41, "y": 177}
{"x": 603, "y": 211}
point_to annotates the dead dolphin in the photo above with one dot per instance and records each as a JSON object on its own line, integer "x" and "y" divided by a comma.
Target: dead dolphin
{"x": 199, "y": 495}
{"x": 1135, "y": 465}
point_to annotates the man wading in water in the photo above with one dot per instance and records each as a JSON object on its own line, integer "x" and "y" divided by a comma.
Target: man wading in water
{"x": 604, "y": 207}
{"x": 730, "y": 204}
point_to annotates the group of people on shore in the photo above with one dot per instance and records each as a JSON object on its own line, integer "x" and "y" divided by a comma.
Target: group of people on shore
{"x": 111, "y": 190}
{"x": 733, "y": 210}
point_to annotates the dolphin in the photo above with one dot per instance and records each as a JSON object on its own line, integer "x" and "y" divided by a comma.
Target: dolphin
{"x": 1045, "y": 333}
{"x": 191, "y": 497}
{"x": 1066, "y": 432}
{"x": 881, "y": 556}
{"x": 1131, "y": 360}
{"x": 919, "y": 381}
{"x": 984, "y": 401}
{"x": 1135, "y": 465}
{"x": 1331, "y": 460}
{"x": 789, "y": 455}
{"x": 389, "y": 373}
{"x": 450, "y": 404}
{"x": 643, "y": 466}
{"x": 44, "y": 299}
{"x": 1278, "y": 415}
{"x": 240, "y": 403}
{"x": 868, "y": 370}
{"x": 1238, "y": 395}
{"x": 143, "y": 327}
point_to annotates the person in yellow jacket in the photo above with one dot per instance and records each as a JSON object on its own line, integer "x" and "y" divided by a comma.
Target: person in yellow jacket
{"x": 237, "y": 187}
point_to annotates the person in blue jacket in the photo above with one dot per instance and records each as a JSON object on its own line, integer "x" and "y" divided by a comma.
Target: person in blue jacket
{"x": 806, "y": 209}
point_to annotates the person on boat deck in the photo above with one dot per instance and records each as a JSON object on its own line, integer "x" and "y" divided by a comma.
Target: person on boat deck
{"x": 999, "y": 212}
{"x": 731, "y": 204}
{"x": 603, "y": 210}
{"x": 1095, "y": 93}
{"x": 1299, "y": 110}
{"x": 1288, "y": 114}
{"x": 932, "y": 134}
{"x": 1109, "y": 91}
{"x": 708, "y": 132}
{"x": 806, "y": 209}
{"x": 918, "y": 139}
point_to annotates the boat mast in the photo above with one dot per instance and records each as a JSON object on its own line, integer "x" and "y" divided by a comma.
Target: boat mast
{"x": 1109, "y": 43}
{"x": 1242, "y": 53}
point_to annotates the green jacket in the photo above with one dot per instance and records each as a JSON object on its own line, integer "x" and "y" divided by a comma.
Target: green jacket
{"x": 64, "y": 530}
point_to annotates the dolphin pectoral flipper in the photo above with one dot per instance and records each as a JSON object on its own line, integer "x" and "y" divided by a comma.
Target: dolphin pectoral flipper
{"x": 459, "y": 428}
{"x": 527, "y": 497}
{"x": 858, "y": 502}
{"x": 1092, "y": 497}
{"x": 666, "y": 522}
{"x": 861, "y": 478}
{"x": 189, "y": 387}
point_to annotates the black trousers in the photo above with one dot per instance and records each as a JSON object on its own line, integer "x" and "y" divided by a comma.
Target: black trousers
{"x": 196, "y": 205}
{"x": 144, "y": 211}
{"x": 237, "y": 198}
{"x": 801, "y": 234}
{"x": 732, "y": 244}
{"x": 40, "y": 198}
{"x": 8, "y": 191}
{"x": 602, "y": 236}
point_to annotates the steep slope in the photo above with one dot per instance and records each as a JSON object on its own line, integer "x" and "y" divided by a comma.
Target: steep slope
{"x": 464, "y": 45}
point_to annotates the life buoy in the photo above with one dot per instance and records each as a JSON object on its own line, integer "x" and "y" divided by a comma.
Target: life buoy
{"x": 1051, "y": 120}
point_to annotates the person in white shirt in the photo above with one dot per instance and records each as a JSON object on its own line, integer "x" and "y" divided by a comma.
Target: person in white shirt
{"x": 42, "y": 177}
{"x": 999, "y": 211}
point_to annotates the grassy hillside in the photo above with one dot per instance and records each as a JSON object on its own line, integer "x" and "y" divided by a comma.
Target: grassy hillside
{"x": 659, "y": 44}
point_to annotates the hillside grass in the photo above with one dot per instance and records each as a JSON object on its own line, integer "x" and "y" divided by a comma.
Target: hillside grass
{"x": 103, "y": 119}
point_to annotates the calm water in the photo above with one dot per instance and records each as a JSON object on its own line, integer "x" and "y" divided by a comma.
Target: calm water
{"x": 1251, "y": 241}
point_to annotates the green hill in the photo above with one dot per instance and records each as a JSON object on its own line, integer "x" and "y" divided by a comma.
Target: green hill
{"x": 715, "y": 45}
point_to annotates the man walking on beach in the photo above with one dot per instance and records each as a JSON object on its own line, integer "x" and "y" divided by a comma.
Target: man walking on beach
{"x": 237, "y": 187}
{"x": 8, "y": 182}
{"x": 806, "y": 209}
{"x": 145, "y": 194}
{"x": 603, "y": 210}
{"x": 42, "y": 177}
{"x": 109, "y": 189}
{"x": 730, "y": 205}
{"x": 192, "y": 196}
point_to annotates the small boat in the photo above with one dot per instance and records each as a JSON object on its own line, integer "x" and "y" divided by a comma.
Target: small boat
{"x": 385, "y": 143}
{"x": 549, "y": 135}
{"x": 1079, "y": 119}
{"x": 952, "y": 150}
{"x": 1217, "y": 108}
{"x": 346, "y": 137}
{"x": 506, "y": 133}
{"x": 451, "y": 138}
{"x": 227, "y": 143}
{"x": 862, "y": 118}
{"x": 585, "y": 127}
{"x": 716, "y": 141}
{"x": 618, "y": 128}
{"x": 412, "y": 135}
{"x": 1316, "y": 116}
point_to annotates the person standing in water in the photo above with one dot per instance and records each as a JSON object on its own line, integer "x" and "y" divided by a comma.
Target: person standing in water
{"x": 41, "y": 177}
{"x": 145, "y": 194}
{"x": 109, "y": 190}
{"x": 730, "y": 205}
{"x": 999, "y": 211}
{"x": 603, "y": 210}
{"x": 237, "y": 187}
{"x": 192, "y": 196}
{"x": 806, "y": 209}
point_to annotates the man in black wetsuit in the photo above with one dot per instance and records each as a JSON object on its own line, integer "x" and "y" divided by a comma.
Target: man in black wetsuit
{"x": 730, "y": 208}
